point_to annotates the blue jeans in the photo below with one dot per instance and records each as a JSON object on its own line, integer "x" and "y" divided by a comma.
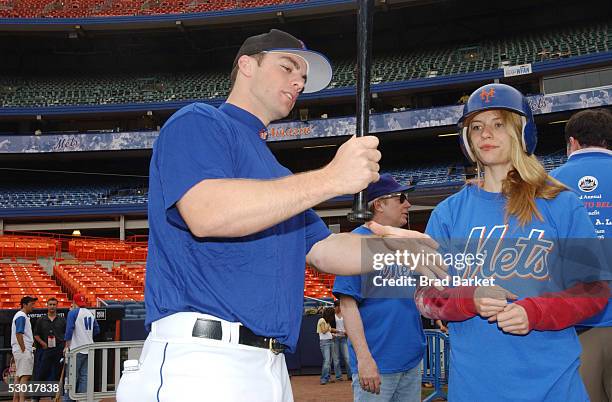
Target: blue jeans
{"x": 81, "y": 379}
{"x": 396, "y": 387}
{"x": 327, "y": 346}
{"x": 341, "y": 350}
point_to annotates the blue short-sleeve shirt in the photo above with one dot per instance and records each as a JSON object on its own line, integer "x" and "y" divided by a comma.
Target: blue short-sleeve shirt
{"x": 392, "y": 325}
{"x": 257, "y": 280}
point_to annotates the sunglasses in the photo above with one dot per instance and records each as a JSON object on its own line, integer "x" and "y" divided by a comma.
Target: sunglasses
{"x": 402, "y": 197}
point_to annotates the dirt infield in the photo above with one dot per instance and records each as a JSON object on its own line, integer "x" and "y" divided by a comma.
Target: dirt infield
{"x": 306, "y": 388}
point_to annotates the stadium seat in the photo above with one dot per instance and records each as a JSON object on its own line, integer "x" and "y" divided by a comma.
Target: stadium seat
{"x": 18, "y": 280}
{"x": 96, "y": 282}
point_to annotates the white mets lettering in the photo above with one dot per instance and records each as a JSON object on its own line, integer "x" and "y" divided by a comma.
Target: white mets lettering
{"x": 525, "y": 257}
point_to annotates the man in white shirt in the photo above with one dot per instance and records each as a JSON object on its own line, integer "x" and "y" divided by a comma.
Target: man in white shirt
{"x": 21, "y": 344}
{"x": 81, "y": 327}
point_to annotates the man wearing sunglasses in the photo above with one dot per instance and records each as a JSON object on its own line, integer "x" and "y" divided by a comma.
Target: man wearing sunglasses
{"x": 383, "y": 325}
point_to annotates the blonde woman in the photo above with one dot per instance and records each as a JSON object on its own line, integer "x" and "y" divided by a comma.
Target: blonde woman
{"x": 326, "y": 342}
{"x": 514, "y": 341}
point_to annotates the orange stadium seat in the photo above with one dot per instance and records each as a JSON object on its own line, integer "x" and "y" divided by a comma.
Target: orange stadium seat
{"x": 18, "y": 280}
{"x": 27, "y": 247}
{"x": 318, "y": 285}
{"x": 96, "y": 282}
{"x": 91, "y": 250}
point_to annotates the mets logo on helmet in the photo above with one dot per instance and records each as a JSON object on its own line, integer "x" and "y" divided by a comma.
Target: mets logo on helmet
{"x": 588, "y": 183}
{"x": 486, "y": 96}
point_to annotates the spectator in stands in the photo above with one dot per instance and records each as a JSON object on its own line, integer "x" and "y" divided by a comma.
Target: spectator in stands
{"x": 463, "y": 99}
{"x": 513, "y": 337}
{"x": 326, "y": 341}
{"x": 22, "y": 341}
{"x": 604, "y": 95}
{"x": 49, "y": 334}
{"x": 81, "y": 327}
{"x": 588, "y": 172}
{"x": 386, "y": 336}
{"x": 230, "y": 338}
{"x": 340, "y": 343}
{"x": 391, "y": 122}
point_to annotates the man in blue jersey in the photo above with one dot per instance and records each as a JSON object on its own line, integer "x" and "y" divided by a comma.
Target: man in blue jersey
{"x": 385, "y": 331}
{"x": 21, "y": 344}
{"x": 588, "y": 172}
{"x": 230, "y": 230}
{"x": 81, "y": 327}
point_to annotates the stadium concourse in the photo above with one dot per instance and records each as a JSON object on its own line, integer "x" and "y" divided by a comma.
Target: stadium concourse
{"x": 87, "y": 85}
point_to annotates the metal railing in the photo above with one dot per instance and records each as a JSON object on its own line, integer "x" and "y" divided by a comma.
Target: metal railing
{"x": 435, "y": 363}
{"x": 120, "y": 351}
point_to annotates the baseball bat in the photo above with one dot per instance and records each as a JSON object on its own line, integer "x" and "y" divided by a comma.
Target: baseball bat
{"x": 58, "y": 394}
{"x": 365, "y": 21}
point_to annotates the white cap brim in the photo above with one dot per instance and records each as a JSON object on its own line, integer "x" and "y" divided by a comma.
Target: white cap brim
{"x": 319, "y": 69}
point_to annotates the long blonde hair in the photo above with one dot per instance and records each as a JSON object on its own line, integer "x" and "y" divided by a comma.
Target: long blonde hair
{"x": 527, "y": 180}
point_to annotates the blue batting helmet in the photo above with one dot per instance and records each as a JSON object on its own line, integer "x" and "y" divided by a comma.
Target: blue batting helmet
{"x": 498, "y": 96}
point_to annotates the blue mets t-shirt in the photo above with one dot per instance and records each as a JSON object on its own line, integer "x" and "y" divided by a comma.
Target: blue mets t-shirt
{"x": 487, "y": 364}
{"x": 257, "y": 280}
{"x": 589, "y": 173}
{"x": 392, "y": 326}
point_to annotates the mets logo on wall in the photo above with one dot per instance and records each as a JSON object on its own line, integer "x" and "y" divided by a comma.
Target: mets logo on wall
{"x": 588, "y": 183}
{"x": 263, "y": 134}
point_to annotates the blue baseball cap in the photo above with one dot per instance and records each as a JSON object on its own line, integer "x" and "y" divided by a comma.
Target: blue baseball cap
{"x": 385, "y": 186}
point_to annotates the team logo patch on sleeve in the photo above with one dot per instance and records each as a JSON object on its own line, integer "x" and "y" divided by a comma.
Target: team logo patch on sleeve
{"x": 588, "y": 183}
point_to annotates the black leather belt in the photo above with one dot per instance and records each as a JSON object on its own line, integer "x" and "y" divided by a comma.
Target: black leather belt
{"x": 212, "y": 329}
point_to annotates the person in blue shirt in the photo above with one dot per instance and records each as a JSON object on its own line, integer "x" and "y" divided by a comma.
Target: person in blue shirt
{"x": 230, "y": 231}
{"x": 512, "y": 338}
{"x": 588, "y": 172}
{"x": 385, "y": 331}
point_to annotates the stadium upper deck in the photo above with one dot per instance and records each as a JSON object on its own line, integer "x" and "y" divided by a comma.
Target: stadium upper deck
{"x": 492, "y": 54}
{"x": 105, "y": 8}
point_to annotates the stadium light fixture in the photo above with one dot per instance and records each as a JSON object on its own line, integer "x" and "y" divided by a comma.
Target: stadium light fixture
{"x": 76, "y": 232}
